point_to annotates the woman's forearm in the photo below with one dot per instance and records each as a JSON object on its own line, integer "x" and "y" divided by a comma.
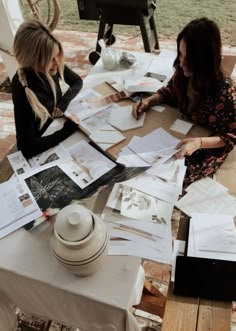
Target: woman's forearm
{"x": 154, "y": 100}
{"x": 188, "y": 146}
{"x": 212, "y": 142}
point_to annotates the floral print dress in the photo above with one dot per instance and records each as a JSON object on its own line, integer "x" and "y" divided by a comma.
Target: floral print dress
{"x": 218, "y": 114}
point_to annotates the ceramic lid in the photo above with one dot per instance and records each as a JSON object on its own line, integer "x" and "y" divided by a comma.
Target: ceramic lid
{"x": 74, "y": 223}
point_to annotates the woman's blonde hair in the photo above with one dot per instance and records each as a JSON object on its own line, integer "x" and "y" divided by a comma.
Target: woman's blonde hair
{"x": 33, "y": 48}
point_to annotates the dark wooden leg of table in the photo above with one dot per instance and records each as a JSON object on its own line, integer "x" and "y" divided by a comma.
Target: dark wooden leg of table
{"x": 144, "y": 32}
{"x": 154, "y": 32}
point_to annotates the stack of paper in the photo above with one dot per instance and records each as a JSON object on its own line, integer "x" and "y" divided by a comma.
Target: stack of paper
{"x": 209, "y": 196}
{"x": 138, "y": 224}
{"x": 156, "y": 147}
{"x": 164, "y": 179}
{"x": 52, "y": 156}
{"x": 18, "y": 206}
{"x": 81, "y": 162}
{"x": 85, "y": 104}
{"x": 212, "y": 236}
{"x": 55, "y": 179}
{"x": 144, "y": 84}
{"x": 138, "y": 84}
{"x": 97, "y": 121}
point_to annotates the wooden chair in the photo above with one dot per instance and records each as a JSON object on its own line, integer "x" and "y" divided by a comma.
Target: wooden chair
{"x": 6, "y": 169}
{"x": 152, "y": 300}
{"x": 228, "y": 63}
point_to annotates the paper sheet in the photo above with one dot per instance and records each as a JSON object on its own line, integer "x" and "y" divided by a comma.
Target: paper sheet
{"x": 88, "y": 164}
{"x": 126, "y": 247}
{"x": 96, "y": 121}
{"x": 122, "y": 119}
{"x": 207, "y": 186}
{"x": 181, "y": 126}
{"x": 106, "y": 137}
{"x": 154, "y": 146}
{"x": 141, "y": 206}
{"x": 18, "y": 163}
{"x": 178, "y": 249}
{"x": 165, "y": 170}
{"x": 209, "y": 196}
{"x": 154, "y": 186}
{"x": 158, "y": 108}
{"x": 129, "y": 158}
{"x": 143, "y": 84}
{"x": 214, "y": 236}
{"x": 18, "y": 206}
{"x": 83, "y": 105}
{"x": 54, "y": 155}
{"x": 140, "y": 225}
{"x": 114, "y": 199}
{"x": 163, "y": 63}
{"x": 138, "y": 238}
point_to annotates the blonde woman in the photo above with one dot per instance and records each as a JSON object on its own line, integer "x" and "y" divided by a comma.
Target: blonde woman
{"x": 36, "y": 91}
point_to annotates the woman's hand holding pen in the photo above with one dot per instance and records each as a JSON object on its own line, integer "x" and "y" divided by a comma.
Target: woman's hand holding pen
{"x": 144, "y": 104}
{"x": 139, "y": 108}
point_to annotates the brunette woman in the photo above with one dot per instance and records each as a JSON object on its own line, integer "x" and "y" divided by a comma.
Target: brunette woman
{"x": 204, "y": 95}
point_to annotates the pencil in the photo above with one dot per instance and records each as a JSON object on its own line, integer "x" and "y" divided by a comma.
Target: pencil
{"x": 139, "y": 105}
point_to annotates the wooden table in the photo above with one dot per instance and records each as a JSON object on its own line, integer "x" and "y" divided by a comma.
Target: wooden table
{"x": 32, "y": 280}
{"x": 181, "y": 313}
{"x": 153, "y": 121}
{"x": 195, "y": 314}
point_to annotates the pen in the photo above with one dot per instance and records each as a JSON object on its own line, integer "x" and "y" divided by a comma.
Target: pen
{"x": 139, "y": 105}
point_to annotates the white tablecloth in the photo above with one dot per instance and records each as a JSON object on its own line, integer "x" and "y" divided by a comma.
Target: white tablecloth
{"x": 36, "y": 283}
{"x": 32, "y": 280}
{"x": 146, "y": 62}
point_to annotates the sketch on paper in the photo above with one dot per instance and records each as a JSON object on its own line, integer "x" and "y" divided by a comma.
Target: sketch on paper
{"x": 138, "y": 205}
{"x": 52, "y": 188}
{"x": 54, "y": 155}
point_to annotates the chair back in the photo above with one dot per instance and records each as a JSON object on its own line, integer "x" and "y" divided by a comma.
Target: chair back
{"x": 228, "y": 63}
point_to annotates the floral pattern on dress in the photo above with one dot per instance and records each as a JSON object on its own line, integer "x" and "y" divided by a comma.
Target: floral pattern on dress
{"x": 217, "y": 113}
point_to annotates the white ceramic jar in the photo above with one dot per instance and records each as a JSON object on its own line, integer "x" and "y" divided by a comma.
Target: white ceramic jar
{"x": 79, "y": 240}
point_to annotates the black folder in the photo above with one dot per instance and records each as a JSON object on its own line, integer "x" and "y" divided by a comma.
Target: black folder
{"x": 205, "y": 278}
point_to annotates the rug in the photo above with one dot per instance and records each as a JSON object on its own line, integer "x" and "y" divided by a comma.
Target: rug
{"x": 26, "y": 322}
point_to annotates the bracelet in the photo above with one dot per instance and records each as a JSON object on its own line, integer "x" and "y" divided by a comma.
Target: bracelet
{"x": 200, "y": 142}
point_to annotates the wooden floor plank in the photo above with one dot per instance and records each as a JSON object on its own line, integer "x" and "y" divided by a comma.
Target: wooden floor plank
{"x": 214, "y": 316}
{"x": 181, "y": 313}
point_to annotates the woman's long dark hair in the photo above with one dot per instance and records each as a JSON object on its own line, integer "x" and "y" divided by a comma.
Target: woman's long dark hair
{"x": 203, "y": 60}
